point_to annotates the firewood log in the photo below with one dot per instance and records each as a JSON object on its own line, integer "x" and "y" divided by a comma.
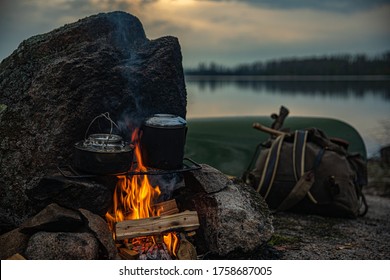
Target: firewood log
{"x": 186, "y": 221}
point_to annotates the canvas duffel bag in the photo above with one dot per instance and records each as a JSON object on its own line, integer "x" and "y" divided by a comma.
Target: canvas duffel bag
{"x": 307, "y": 172}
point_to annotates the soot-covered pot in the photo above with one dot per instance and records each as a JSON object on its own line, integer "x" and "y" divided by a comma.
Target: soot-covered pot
{"x": 162, "y": 141}
{"x": 103, "y": 154}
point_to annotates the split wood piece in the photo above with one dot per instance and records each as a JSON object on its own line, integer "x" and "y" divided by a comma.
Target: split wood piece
{"x": 127, "y": 254}
{"x": 186, "y": 221}
{"x": 165, "y": 208}
{"x": 16, "y": 256}
{"x": 186, "y": 250}
{"x": 191, "y": 233}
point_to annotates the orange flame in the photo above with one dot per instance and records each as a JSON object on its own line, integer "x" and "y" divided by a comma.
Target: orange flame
{"x": 172, "y": 242}
{"x": 134, "y": 197}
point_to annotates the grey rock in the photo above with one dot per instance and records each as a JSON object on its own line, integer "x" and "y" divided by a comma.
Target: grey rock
{"x": 53, "y": 218}
{"x": 3, "y": 107}
{"x": 13, "y": 242}
{"x": 7, "y": 221}
{"x": 208, "y": 179}
{"x": 101, "y": 231}
{"x": 235, "y": 221}
{"x": 62, "y": 246}
{"x": 71, "y": 193}
{"x": 54, "y": 84}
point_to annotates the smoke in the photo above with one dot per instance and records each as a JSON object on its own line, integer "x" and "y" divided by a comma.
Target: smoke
{"x": 128, "y": 37}
{"x": 168, "y": 184}
{"x": 128, "y": 30}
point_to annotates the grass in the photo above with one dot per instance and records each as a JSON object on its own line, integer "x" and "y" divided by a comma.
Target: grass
{"x": 278, "y": 239}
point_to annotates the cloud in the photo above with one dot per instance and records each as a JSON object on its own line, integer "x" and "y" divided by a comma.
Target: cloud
{"x": 343, "y": 6}
{"x": 227, "y": 32}
{"x": 231, "y": 32}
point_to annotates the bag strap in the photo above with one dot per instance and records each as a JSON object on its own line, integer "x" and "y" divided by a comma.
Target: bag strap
{"x": 298, "y": 192}
{"x": 299, "y": 148}
{"x": 303, "y": 186}
{"x": 305, "y": 180}
{"x": 271, "y": 164}
{"x": 363, "y": 201}
{"x": 272, "y": 161}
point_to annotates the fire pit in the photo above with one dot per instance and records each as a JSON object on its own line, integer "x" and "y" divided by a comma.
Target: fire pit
{"x": 138, "y": 225}
{"x": 141, "y": 227}
{"x": 149, "y": 213}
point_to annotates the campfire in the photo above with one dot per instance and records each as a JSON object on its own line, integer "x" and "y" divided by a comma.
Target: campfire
{"x": 152, "y": 208}
{"x": 142, "y": 227}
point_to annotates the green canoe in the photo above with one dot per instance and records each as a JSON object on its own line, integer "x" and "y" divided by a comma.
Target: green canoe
{"x": 229, "y": 143}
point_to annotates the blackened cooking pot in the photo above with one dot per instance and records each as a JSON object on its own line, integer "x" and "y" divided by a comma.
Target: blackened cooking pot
{"x": 103, "y": 154}
{"x": 162, "y": 141}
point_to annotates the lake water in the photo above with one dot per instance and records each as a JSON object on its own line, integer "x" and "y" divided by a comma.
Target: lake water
{"x": 362, "y": 102}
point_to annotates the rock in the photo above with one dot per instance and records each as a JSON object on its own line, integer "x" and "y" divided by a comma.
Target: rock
{"x": 235, "y": 221}
{"x": 53, "y": 218}
{"x": 378, "y": 179}
{"x": 13, "y": 242}
{"x": 67, "y": 226}
{"x": 71, "y": 193}
{"x": 7, "y": 221}
{"x": 54, "y": 84}
{"x": 208, "y": 179}
{"x": 3, "y": 107}
{"x": 385, "y": 155}
{"x": 101, "y": 231}
{"x": 62, "y": 246}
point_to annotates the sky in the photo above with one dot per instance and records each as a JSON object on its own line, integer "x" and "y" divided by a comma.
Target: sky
{"x": 221, "y": 31}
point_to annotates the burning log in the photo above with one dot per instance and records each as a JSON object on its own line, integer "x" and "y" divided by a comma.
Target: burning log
{"x": 166, "y": 208}
{"x": 186, "y": 221}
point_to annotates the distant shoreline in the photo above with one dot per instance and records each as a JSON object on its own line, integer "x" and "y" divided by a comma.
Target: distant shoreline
{"x": 193, "y": 77}
{"x": 335, "y": 66}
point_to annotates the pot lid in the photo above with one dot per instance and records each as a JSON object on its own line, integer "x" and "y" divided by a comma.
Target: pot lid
{"x": 104, "y": 138}
{"x": 104, "y": 143}
{"x": 165, "y": 120}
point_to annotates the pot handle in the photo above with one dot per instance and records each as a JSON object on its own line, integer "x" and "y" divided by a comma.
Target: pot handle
{"x": 105, "y": 115}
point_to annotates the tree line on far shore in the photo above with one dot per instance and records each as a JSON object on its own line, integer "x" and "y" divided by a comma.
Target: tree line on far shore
{"x": 344, "y": 64}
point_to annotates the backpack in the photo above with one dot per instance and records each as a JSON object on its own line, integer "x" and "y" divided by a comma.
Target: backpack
{"x": 305, "y": 171}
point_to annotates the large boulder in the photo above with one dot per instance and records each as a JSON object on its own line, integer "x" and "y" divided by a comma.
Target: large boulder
{"x": 54, "y": 84}
{"x": 72, "y": 193}
{"x": 62, "y": 246}
{"x": 60, "y": 233}
{"x": 235, "y": 222}
{"x": 53, "y": 218}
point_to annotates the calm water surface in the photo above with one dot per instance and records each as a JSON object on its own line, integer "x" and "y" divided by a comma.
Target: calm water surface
{"x": 363, "y": 102}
